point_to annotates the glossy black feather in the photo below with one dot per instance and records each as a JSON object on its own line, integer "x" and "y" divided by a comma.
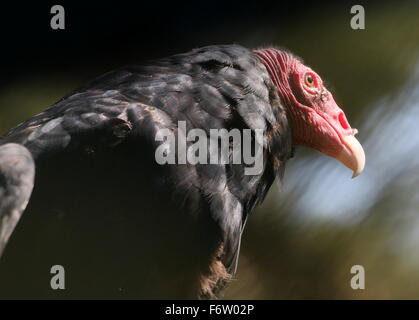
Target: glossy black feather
{"x": 122, "y": 225}
{"x": 17, "y": 170}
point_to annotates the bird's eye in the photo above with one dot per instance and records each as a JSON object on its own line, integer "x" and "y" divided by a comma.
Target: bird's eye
{"x": 309, "y": 80}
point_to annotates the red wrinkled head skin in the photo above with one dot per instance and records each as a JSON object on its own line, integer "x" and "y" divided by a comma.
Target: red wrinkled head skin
{"x": 316, "y": 120}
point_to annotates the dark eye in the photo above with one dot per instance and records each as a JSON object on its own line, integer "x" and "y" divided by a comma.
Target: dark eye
{"x": 309, "y": 80}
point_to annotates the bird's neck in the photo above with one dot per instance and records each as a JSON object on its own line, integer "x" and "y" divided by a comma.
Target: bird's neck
{"x": 279, "y": 64}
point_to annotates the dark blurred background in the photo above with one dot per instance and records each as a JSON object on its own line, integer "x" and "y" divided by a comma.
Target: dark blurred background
{"x": 304, "y": 240}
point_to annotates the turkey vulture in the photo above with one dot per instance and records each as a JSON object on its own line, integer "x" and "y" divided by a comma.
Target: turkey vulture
{"x": 123, "y": 225}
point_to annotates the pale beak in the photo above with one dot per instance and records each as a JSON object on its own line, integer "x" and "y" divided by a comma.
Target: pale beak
{"x": 352, "y": 155}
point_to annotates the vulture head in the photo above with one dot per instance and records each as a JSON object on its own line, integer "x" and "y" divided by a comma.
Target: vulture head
{"x": 316, "y": 119}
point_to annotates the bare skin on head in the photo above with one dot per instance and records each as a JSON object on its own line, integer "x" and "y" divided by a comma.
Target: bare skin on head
{"x": 316, "y": 119}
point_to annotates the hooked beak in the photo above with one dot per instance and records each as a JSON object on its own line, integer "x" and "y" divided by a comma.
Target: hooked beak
{"x": 352, "y": 155}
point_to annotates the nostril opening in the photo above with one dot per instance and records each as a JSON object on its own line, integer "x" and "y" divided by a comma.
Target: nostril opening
{"x": 343, "y": 122}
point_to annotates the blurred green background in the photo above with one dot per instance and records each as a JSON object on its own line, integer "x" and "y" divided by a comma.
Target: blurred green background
{"x": 302, "y": 242}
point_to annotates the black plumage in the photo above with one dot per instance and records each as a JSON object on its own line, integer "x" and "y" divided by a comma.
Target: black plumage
{"x": 121, "y": 224}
